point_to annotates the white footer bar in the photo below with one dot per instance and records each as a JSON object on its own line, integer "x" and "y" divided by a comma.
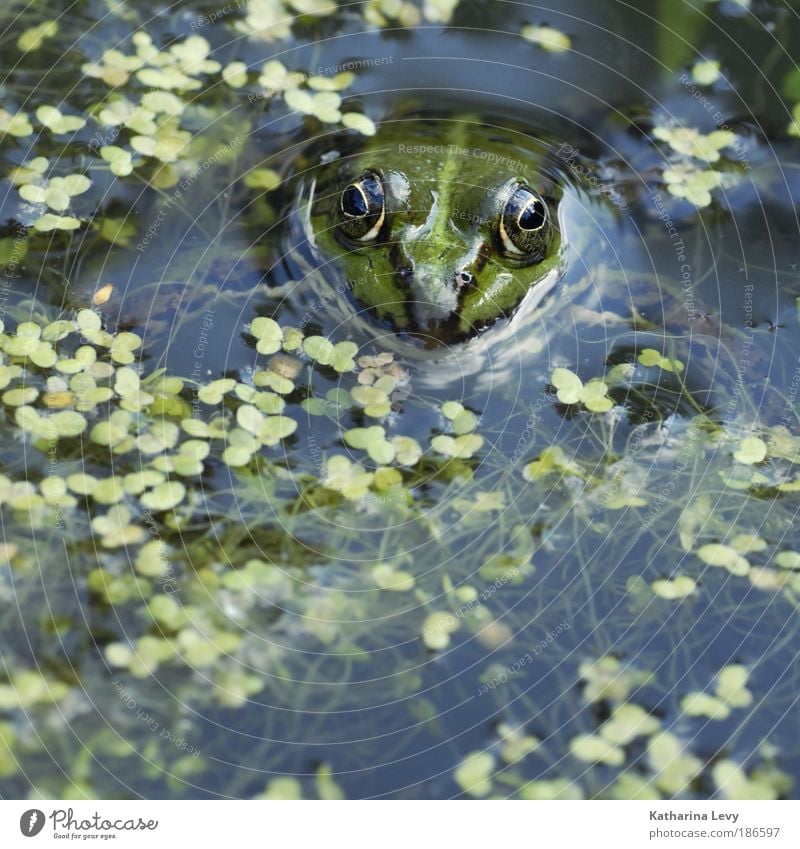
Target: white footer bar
{"x": 401, "y": 824}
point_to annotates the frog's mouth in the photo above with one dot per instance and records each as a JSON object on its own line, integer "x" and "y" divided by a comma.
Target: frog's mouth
{"x": 432, "y": 299}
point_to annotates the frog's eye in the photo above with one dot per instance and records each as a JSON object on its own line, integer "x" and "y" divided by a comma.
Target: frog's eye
{"x": 363, "y": 208}
{"x": 525, "y": 225}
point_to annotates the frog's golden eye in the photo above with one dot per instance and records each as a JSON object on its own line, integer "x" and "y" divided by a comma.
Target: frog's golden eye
{"x": 525, "y": 227}
{"x": 362, "y": 205}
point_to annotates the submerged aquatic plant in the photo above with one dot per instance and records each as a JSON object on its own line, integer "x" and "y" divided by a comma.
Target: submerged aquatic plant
{"x": 245, "y": 537}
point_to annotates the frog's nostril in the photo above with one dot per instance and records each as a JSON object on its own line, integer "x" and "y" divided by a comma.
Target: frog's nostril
{"x": 464, "y": 278}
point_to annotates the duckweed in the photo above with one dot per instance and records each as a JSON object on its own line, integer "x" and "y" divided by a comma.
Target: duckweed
{"x": 751, "y": 450}
{"x": 707, "y": 72}
{"x": 33, "y": 37}
{"x": 474, "y": 774}
{"x": 548, "y": 38}
{"x": 58, "y": 123}
{"x": 388, "y": 578}
{"x": 716, "y": 554}
{"x": 226, "y": 527}
{"x": 733, "y": 783}
{"x": 676, "y": 588}
{"x": 691, "y": 142}
{"x": 570, "y": 389}
{"x": 592, "y": 749}
{"x": 437, "y": 630}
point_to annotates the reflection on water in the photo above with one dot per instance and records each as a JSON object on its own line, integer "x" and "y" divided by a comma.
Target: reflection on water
{"x": 597, "y": 597}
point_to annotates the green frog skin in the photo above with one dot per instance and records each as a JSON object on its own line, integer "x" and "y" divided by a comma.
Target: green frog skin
{"x": 438, "y": 227}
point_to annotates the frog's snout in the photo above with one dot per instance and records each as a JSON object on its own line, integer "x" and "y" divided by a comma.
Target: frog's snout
{"x": 463, "y": 278}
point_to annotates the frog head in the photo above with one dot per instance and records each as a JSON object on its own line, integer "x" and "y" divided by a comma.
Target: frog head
{"x": 441, "y": 233}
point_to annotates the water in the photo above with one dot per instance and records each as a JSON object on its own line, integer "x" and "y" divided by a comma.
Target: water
{"x": 282, "y": 653}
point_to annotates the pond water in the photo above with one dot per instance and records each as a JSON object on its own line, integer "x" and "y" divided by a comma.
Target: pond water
{"x": 259, "y": 541}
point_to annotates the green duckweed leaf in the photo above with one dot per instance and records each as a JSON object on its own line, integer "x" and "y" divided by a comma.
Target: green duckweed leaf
{"x": 450, "y": 409}
{"x": 56, "y": 122}
{"x": 591, "y": 748}
{"x": 361, "y": 438}
{"x": 461, "y": 447}
{"x": 715, "y": 554}
{"x": 733, "y": 783}
{"x": 48, "y": 222}
{"x": 342, "y": 358}
{"x": 235, "y": 74}
{"x": 349, "y": 479}
{"x": 20, "y": 396}
{"x": 707, "y": 72}
{"x": 67, "y": 423}
{"x": 262, "y": 178}
{"x": 464, "y": 422}
{"x": 120, "y": 160}
{"x": 374, "y": 400}
{"x": 387, "y": 578}
{"x": 568, "y": 385}
{"x": 703, "y": 704}
{"x": 548, "y": 38}
{"x": 360, "y": 123}
{"x": 33, "y": 37}
{"x": 675, "y": 589}
{"x": 165, "y": 496}
{"x": 627, "y": 722}
{"x": 751, "y": 450}
{"x": 275, "y": 428}
{"x": 268, "y": 334}
{"x": 319, "y": 349}
{"x": 748, "y": 543}
{"x": 732, "y": 686}
{"x": 236, "y": 456}
{"x": 691, "y": 142}
{"x": 788, "y": 560}
{"x": 474, "y": 774}
{"x": 407, "y": 450}
{"x": 249, "y": 418}
{"x": 213, "y": 392}
{"x": 437, "y": 628}
{"x": 671, "y": 762}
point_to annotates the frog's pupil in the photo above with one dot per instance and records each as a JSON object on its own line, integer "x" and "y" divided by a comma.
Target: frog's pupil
{"x": 532, "y": 217}
{"x": 354, "y": 202}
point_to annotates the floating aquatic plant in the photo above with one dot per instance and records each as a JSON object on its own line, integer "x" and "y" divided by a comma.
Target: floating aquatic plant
{"x": 192, "y": 511}
{"x": 706, "y": 72}
{"x": 548, "y": 38}
{"x": 570, "y": 389}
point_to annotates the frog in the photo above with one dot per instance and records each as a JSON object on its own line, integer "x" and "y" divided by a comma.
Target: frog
{"x": 439, "y": 227}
